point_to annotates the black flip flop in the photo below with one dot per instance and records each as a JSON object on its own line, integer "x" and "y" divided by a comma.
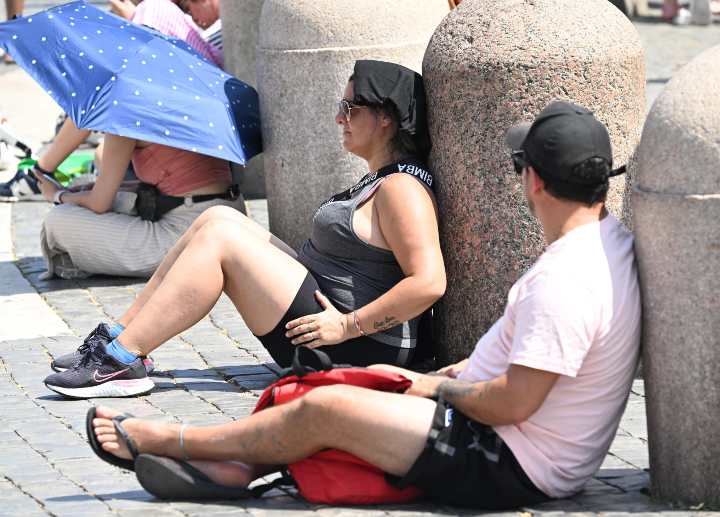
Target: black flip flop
{"x": 177, "y": 480}
{"x": 102, "y": 453}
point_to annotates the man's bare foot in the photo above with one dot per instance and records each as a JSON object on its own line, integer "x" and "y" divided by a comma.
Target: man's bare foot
{"x": 151, "y": 437}
{"x": 164, "y": 440}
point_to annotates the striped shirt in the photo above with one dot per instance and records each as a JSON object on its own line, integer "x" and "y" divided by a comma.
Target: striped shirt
{"x": 166, "y": 17}
{"x": 213, "y": 35}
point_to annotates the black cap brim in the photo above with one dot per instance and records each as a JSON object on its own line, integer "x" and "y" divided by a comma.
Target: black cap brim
{"x": 515, "y": 136}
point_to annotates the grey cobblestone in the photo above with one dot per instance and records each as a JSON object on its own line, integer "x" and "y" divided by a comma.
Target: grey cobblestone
{"x": 214, "y": 372}
{"x": 211, "y": 373}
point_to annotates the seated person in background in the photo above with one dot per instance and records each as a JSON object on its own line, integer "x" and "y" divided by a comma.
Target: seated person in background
{"x": 167, "y": 16}
{"x": 374, "y": 252}
{"x": 206, "y": 13}
{"x": 89, "y": 233}
{"x": 529, "y": 416}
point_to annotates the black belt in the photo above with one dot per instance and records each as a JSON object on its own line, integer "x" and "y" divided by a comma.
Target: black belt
{"x": 151, "y": 205}
{"x": 167, "y": 203}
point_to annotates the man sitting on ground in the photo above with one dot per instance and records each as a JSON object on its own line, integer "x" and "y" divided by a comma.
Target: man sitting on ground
{"x": 529, "y": 415}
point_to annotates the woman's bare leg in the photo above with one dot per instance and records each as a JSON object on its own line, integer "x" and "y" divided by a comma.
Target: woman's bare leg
{"x": 388, "y": 430}
{"x": 217, "y": 213}
{"x": 259, "y": 278}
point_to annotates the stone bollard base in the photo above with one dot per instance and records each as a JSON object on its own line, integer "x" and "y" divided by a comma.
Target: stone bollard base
{"x": 679, "y": 353}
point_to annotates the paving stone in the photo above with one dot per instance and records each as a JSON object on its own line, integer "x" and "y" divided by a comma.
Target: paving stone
{"x": 212, "y": 374}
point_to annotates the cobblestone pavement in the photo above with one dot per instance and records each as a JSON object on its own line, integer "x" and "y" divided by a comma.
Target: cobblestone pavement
{"x": 213, "y": 373}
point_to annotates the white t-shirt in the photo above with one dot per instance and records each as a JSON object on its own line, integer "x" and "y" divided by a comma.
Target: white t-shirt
{"x": 576, "y": 312}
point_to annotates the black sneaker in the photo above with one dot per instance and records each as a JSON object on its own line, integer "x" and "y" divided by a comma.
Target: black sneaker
{"x": 98, "y": 374}
{"x": 22, "y": 187}
{"x": 101, "y": 334}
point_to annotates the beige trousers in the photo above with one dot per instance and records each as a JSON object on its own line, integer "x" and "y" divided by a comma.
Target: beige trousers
{"x": 77, "y": 242}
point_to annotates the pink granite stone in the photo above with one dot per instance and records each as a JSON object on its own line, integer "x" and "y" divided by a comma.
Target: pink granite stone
{"x": 492, "y": 64}
{"x": 676, "y": 209}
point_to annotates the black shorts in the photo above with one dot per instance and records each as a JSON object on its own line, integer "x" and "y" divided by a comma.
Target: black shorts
{"x": 466, "y": 463}
{"x": 360, "y": 351}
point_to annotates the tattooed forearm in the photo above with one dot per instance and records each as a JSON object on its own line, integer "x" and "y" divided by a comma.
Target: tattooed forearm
{"x": 453, "y": 390}
{"x": 388, "y": 322}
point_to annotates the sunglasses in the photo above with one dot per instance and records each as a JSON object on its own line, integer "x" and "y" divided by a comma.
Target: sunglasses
{"x": 346, "y": 106}
{"x": 519, "y": 161}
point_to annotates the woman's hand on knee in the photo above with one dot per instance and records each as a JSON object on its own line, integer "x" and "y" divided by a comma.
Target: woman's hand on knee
{"x": 329, "y": 327}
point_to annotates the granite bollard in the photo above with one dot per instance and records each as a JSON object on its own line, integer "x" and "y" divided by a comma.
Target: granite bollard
{"x": 240, "y": 31}
{"x": 492, "y": 64}
{"x": 306, "y": 52}
{"x": 676, "y": 209}
{"x": 700, "y": 13}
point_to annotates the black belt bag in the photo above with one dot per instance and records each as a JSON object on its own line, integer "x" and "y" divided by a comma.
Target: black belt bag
{"x": 151, "y": 205}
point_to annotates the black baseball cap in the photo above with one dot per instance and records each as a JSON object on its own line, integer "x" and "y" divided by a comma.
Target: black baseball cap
{"x": 563, "y": 136}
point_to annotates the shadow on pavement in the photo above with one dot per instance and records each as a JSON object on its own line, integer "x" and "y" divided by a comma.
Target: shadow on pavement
{"x": 12, "y": 282}
{"x": 33, "y": 268}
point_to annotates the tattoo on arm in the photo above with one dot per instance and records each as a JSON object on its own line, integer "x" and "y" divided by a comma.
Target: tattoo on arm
{"x": 388, "y": 322}
{"x": 453, "y": 389}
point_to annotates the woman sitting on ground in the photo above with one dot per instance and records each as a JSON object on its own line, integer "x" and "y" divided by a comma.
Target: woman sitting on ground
{"x": 374, "y": 253}
{"x": 97, "y": 233}
{"x": 92, "y": 232}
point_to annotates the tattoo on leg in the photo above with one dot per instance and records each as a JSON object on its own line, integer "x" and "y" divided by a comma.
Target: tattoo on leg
{"x": 388, "y": 322}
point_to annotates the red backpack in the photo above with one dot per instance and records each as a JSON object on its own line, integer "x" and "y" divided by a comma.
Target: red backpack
{"x": 332, "y": 476}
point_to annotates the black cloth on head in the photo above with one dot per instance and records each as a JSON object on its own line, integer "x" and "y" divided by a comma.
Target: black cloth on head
{"x": 379, "y": 82}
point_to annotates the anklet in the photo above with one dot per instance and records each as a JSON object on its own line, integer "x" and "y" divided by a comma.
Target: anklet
{"x": 182, "y": 442}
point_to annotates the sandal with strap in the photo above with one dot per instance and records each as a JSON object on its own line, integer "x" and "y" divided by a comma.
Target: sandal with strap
{"x": 96, "y": 446}
{"x": 177, "y": 480}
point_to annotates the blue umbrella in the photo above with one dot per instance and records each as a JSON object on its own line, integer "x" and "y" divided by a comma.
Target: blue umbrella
{"x": 116, "y": 77}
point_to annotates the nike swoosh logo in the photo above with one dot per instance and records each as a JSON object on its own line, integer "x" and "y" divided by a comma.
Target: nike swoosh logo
{"x": 98, "y": 377}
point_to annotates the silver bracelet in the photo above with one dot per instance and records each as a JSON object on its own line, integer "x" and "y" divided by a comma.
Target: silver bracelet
{"x": 182, "y": 442}
{"x": 56, "y": 197}
{"x": 357, "y": 324}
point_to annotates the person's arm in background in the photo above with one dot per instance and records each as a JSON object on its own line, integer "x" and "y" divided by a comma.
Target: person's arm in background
{"x": 117, "y": 154}
{"x": 123, "y": 8}
{"x": 67, "y": 140}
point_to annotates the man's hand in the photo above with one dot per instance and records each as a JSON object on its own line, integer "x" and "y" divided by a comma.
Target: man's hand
{"x": 426, "y": 385}
{"x": 329, "y": 327}
{"x": 453, "y": 370}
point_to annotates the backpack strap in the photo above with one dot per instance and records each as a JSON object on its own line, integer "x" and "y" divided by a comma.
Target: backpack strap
{"x": 285, "y": 480}
{"x": 302, "y": 365}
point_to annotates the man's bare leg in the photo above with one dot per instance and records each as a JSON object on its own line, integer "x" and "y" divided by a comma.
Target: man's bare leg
{"x": 386, "y": 429}
{"x": 259, "y": 278}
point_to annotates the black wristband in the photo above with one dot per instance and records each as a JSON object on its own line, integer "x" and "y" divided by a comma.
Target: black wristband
{"x": 40, "y": 169}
